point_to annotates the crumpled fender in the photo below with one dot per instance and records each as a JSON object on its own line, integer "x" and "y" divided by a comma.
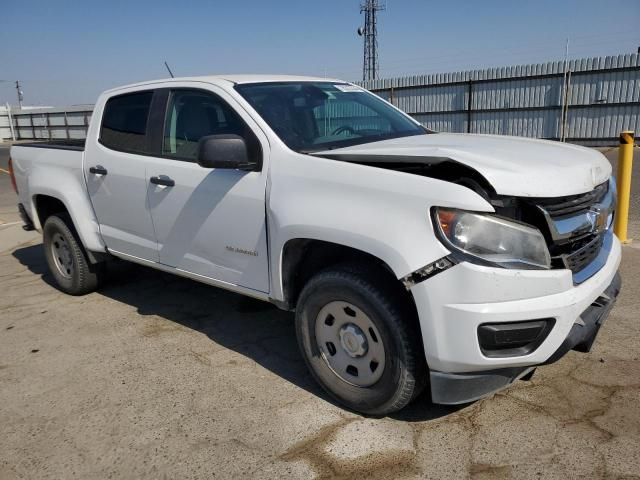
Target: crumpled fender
{"x": 381, "y": 212}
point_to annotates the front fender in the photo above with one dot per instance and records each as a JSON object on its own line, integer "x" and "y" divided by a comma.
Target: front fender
{"x": 381, "y": 212}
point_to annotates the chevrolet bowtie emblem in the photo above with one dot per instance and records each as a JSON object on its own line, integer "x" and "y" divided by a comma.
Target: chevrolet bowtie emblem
{"x": 597, "y": 220}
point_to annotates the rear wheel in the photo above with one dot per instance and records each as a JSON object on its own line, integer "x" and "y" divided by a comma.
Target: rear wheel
{"x": 67, "y": 259}
{"x": 359, "y": 340}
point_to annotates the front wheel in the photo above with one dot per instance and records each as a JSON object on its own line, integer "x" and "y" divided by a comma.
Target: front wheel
{"x": 66, "y": 258}
{"x": 359, "y": 340}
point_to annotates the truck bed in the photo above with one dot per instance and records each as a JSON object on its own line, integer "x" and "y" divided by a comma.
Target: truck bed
{"x": 66, "y": 144}
{"x": 52, "y": 168}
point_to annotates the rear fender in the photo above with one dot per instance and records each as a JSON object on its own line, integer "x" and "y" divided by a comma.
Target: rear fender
{"x": 69, "y": 188}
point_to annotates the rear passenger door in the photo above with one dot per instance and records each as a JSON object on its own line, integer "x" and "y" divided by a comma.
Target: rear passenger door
{"x": 209, "y": 222}
{"x": 115, "y": 172}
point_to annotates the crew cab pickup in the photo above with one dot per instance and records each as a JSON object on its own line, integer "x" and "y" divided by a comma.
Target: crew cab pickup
{"x": 413, "y": 259}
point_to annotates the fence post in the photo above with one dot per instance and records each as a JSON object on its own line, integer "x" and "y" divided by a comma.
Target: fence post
{"x": 48, "y": 124}
{"x": 66, "y": 124}
{"x": 469, "y": 104}
{"x": 33, "y": 128}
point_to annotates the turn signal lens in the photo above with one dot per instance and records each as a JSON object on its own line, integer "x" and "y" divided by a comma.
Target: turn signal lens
{"x": 446, "y": 219}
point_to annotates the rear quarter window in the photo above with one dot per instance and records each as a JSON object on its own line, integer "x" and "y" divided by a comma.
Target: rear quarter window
{"x": 124, "y": 122}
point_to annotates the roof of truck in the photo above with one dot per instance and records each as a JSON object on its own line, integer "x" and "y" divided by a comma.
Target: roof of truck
{"x": 260, "y": 78}
{"x": 236, "y": 79}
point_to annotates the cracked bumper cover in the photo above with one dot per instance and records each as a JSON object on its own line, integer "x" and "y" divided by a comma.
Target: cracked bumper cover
{"x": 452, "y": 304}
{"x": 455, "y": 388}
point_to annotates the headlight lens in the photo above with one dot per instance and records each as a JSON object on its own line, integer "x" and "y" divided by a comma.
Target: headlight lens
{"x": 493, "y": 239}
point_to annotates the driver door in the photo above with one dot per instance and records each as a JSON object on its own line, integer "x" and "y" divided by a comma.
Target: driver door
{"x": 208, "y": 222}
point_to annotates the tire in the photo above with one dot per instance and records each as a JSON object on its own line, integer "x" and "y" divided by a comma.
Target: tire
{"x": 66, "y": 257}
{"x": 360, "y": 386}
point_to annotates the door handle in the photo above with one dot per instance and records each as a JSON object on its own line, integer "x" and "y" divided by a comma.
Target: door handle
{"x": 98, "y": 170}
{"x": 162, "y": 180}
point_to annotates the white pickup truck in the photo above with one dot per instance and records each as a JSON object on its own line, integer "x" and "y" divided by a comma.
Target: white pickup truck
{"x": 411, "y": 258}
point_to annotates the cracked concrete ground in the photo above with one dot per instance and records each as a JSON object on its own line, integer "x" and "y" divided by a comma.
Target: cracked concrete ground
{"x": 156, "y": 376}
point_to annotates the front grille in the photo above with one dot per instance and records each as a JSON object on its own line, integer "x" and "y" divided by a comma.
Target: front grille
{"x": 573, "y": 226}
{"x": 574, "y": 204}
{"x": 579, "y": 259}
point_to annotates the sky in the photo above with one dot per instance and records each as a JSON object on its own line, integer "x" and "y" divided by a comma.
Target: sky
{"x": 66, "y": 52}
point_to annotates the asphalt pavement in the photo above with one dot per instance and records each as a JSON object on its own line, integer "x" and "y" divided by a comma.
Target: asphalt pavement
{"x": 156, "y": 376}
{"x": 7, "y": 195}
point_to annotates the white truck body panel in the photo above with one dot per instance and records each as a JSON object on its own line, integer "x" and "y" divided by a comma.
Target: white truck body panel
{"x": 57, "y": 173}
{"x": 456, "y": 302}
{"x": 120, "y": 201}
{"x": 513, "y": 165}
{"x": 384, "y": 213}
{"x": 180, "y": 226}
{"x": 188, "y": 221}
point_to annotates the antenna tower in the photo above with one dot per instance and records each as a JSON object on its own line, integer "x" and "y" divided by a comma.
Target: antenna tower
{"x": 370, "y": 8}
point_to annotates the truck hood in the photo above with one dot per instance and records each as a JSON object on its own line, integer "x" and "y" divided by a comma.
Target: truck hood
{"x": 513, "y": 165}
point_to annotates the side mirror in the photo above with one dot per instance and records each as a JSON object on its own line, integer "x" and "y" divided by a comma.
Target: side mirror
{"x": 224, "y": 151}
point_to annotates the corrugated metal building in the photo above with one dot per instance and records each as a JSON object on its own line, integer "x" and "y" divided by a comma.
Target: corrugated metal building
{"x": 602, "y": 98}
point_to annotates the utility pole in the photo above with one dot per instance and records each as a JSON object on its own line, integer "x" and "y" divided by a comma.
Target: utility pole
{"x": 370, "y": 8}
{"x": 20, "y": 94}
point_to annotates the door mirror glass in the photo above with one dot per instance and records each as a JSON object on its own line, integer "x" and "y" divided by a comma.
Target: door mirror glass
{"x": 224, "y": 151}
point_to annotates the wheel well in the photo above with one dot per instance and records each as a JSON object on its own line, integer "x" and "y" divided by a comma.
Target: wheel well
{"x": 47, "y": 206}
{"x": 302, "y": 258}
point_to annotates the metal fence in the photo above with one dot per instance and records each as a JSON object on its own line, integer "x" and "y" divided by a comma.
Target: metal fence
{"x": 586, "y": 101}
{"x": 5, "y": 125}
{"x": 589, "y": 102}
{"x": 47, "y": 123}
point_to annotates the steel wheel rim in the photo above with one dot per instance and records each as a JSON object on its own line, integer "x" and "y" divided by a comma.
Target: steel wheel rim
{"x": 62, "y": 256}
{"x": 350, "y": 344}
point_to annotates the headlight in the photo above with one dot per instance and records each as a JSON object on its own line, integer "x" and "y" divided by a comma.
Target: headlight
{"x": 493, "y": 239}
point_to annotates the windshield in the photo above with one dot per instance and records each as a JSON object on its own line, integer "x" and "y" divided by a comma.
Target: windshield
{"x": 314, "y": 116}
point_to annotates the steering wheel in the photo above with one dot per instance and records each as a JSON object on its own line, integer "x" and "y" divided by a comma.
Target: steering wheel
{"x": 344, "y": 128}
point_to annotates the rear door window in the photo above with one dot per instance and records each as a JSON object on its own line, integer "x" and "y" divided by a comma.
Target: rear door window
{"x": 124, "y": 122}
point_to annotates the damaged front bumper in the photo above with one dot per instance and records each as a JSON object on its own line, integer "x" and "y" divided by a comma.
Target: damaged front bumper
{"x": 479, "y": 323}
{"x": 456, "y": 388}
